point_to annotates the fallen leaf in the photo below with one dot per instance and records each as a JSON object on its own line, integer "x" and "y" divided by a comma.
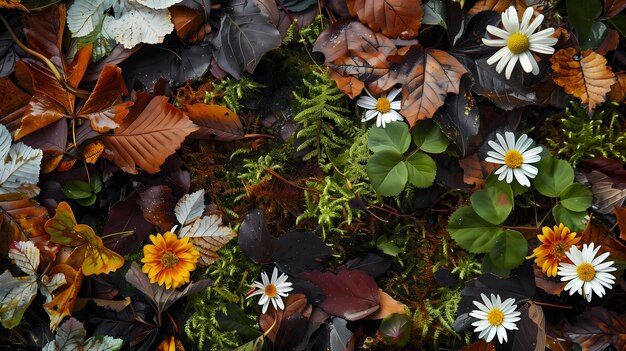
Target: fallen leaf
{"x": 388, "y": 306}
{"x": 497, "y": 6}
{"x": 349, "y": 294}
{"x": 135, "y": 23}
{"x": 11, "y": 97}
{"x": 95, "y": 258}
{"x": 613, "y": 7}
{"x": 12, "y": 5}
{"x": 64, "y": 299}
{"x": 22, "y": 220}
{"x": 393, "y": 18}
{"x": 214, "y": 122}
{"x": 587, "y": 78}
{"x": 71, "y": 336}
{"x": 601, "y": 235}
{"x": 598, "y": 329}
{"x": 295, "y": 303}
{"x": 19, "y": 168}
{"x": 480, "y": 345}
{"x": 187, "y": 22}
{"x": 618, "y": 89}
{"x": 147, "y": 138}
{"x": 620, "y": 214}
{"x": 208, "y": 236}
{"x": 476, "y": 171}
{"x": 92, "y": 151}
{"x": 157, "y": 204}
{"x": 610, "y": 42}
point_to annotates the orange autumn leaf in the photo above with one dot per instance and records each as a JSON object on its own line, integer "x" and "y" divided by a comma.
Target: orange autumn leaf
{"x": 587, "y": 77}
{"x": 497, "y": 6}
{"x": 187, "y": 22}
{"x": 214, "y": 122}
{"x": 88, "y": 247}
{"x": 22, "y": 220}
{"x": 620, "y": 214}
{"x": 62, "y": 303}
{"x": 618, "y": 89}
{"x": 476, "y": 171}
{"x": 601, "y": 235}
{"x": 92, "y": 151}
{"x": 388, "y": 306}
{"x": 12, "y": 5}
{"x": 393, "y": 18}
{"x": 11, "y": 97}
{"x": 348, "y": 85}
{"x": 153, "y": 130}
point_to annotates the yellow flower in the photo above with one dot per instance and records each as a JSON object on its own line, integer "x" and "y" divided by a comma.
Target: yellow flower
{"x": 170, "y": 260}
{"x": 556, "y": 242}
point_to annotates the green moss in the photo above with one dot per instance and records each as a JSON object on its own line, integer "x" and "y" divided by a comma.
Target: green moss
{"x": 233, "y": 91}
{"x": 578, "y": 136}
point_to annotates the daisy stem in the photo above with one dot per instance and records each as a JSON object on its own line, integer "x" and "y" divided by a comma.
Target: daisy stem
{"x": 552, "y": 305}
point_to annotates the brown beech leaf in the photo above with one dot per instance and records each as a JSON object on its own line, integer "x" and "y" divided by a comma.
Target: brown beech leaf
{"x": 104, "y": 107}
{"x": 476, "y": 171}
{"x": 497, "y": 6}
{"x": 587, "y": 78}
{"x": 598, "y": 329}
{"x": 601, "y": 235}
{"x": 480, "y": 345}
{"x": 22, "y": 220}
{"x": 349, "y": 294}
{"x": 364, "y": 67}
{"x": 393, "y": 18}
{"x": 62, "y": 303}
{"x": 345, "y": 35}
{"x": 44, "y": 32}
{"x": 11, "y": 97}
{"x": 214, "y": 122}
{"x": 157, "y": 204}
{"x": 147, "y": 138}
{"x": 620, "y": 214}
{"x": 187, "y": 22}
{"x": 610, "y": 42}
{"x": 618, "y": 89}
{"x": 613, "y": 7}
{"x": 348, "y": 85}
{"x": 295, "y": 303}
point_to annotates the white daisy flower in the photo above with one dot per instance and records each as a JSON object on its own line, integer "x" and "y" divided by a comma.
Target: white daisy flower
{"x": 517, "y": 41}
{"x": 383, "y": 108}
{"x": 515, "y": 157}
{"x": 588, "y": 274}
{"x": 272, "y": 290}
{"x": 495, "y": 317}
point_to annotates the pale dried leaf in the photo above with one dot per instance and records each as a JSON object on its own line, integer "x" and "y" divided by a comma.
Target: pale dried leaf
{"x": 5, "y": 141}
{"x": 49, "y": 285}
{"x": 208, "y": 236}
{"x": 16, "y": 294}
{"x": 25, "y": 255}
{"x": 190, "y": 207}
{"x": 587, "y": 77}
{"x": 19, "y": 171}
{"x": 606, "y": 197}
{"x": 70, "y": 336}
{"x": 158, "y": 4}
{"x": 134, "y": 24}
{"x": 84, "y": 16}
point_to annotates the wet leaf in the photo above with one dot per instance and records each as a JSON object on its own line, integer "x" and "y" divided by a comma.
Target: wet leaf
{"x": 214, "y": 122}
{"x": 138, "y": 142}
{"x": 135, "y": 23}
{"x": 71, "y": 336}
{"x": 352, "y": 295}
{"x": 587, "y": 78}
{"x": 11, "y": 97}
{"x": 157, "y": 204}
{"x": 393, "y": 18}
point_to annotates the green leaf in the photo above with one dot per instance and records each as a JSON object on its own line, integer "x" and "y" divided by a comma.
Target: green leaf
{"x": 88, "y": 201}
{"x": 619, "y": 22}
{"x": 428, "y": 137}
{"x": 582, "y": 14}
{"x": 509, "y": 249}
{"x": 77, "y": 189}
{"x": 395, "y": 136}
{"x": 471, "y": 232}
{"x": 236, "y": 320}
{"x": 554, "y": 176}
{"x": 387, "y": 172}
{"x": 576, "y": 197}
{"x": 493, "y": 203}
{"x": 571, "y": 219}
{"x": 395, "y": 329}
{"x": 435, "y": 13}
{"x": 254, "y": 345}
{"x": 422, "y": 170}
{"x": 489, "y": 267}
{"x": 96, "y": 183}
{"x": 388, "y": 246}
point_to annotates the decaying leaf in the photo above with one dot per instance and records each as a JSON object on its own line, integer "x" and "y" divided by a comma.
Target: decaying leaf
{"x": 92, "y": 255}
{"x": 16, "y": 293}
{"x": 618, "y": 89}
{"x": 294, "y": 304}
{"x": 585, "y": 75}
{"x": 24, "y": 220}
{"x": 62, "y": 304}
{"x": 598, "y": 329}
{"x": 620, "y": 214}
{"x": 71, "y": 336}
{"x": 608, "y": 182}
{"x": 152, "y": 131}
{"x": 11, "y": 97}
{"x": 19, "y": 168}
{"x": 393, "y": 18}
{"x": 497, "y": 6}
{"x": 135, "y": 23}
{"x": 476, "y": 171}
{"x": 601, "y": 235}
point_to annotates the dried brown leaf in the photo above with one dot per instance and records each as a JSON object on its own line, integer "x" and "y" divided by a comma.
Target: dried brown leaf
{"x": 620, "y": 214}
{"x": 598, "y": 329}
{"x": 393, "y": 18}
{"x": 601, "y": 235}
{"x": 587, "y": 77}
{"x": 618, "y": 89}
{"x": 476, "y": 171}
{"x": 11, "y": 97}
{"x": 497, "y": 6}
{"x": 149, "y": 138}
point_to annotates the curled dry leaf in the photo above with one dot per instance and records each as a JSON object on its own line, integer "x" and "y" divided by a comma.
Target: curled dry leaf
{"x": 620, "y": 214}
{"x": 63, "y": 302}
{"x": 586, "y": 76}
{"x": 151, "y": 132}
{"x": 393, "y": 18}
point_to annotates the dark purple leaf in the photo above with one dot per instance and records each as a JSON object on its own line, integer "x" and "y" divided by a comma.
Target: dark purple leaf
{"x": 51, "y": 139}
{"x": 254, "y": 238}
{"x": 297, "y": 252}
{"x": 531, "y": 334}
{"x": 123, "y": 216}
{"x": 371, "y": 264}
{"x": 599, "y": 328}
{"x": 117, "y": 55}
{"x": 352, "y": 295}
{"x": 157, "y": 204}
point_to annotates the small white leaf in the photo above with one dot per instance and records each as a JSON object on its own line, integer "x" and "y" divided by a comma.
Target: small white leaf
{"x": 84, "y": 16}
{"x": 5, "y": 141}
{"x": 70, "y": 335}
{"x": 49, "y": 285}
{"x": 25, "y": 255}
{"x": 16, "y": 294}
{"x": 103, "y": 343}
{"x": 190, "y": 207}
{"x": 157, "y": 4}
{"x": 208, "y": 236}
{"x": 19, "y": 170}
{"x": 134, "y": 24}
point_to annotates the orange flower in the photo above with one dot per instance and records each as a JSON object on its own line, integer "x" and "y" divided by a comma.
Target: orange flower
{"x": 170, "y": 260}
{"x": 170, "y": 344}
{"x": 556, "y": 242}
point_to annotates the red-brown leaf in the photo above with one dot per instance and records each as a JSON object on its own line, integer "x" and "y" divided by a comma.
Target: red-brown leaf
{"x": 598, "y": 329}
{"x": 24, "y": 220}
{"x": 620, "y": 214}
{"x": 214, "y": 122}
{"x": 613, "y": 7}
{"x": 148, "y": 139}
{"x": 104, "y": 107}
{"x": 44, "y": 32}
{"x": 601, "y": 235}
{"x": 11, "y": 97}
{"x": 476, "y": 171}
{"x": 295, "y": 303}
{"x": 187, "y": 22}
{"x": 394, "y": 18}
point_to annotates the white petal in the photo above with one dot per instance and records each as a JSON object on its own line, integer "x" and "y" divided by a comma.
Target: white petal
{"x": 392, "y": 94}
{"x": 264, "y": 309}
{"x": 510, "y": 20}
{"x": 492, "y": 333}
{"x": 531, "y": 170}
{"x": 396, "y": 105}
{"x": 499, "y": 149}
{"x": 521, "y": 177}
{"x": 510, "y": 140}
{"x": 534, "y": 25}
{"x": 498, "y": 55}
{"x": 504, "y": 61}
{"x": 265, "y": 279}
{"x": 532, "y": 159}
{"x": 541, "y": 40}
{"x": 366, "y": 102}
{"x": 494, "y": 160}
{"x": 395, "y": 116}
{"x": 279, "y": 302}
{"x": 509, "y": 176}
{"x": 542, "y": 49}
{"x": 596, "y": 261}
{"x": 480, "y": 306}
{"x": 510, "y": 66}
{"x": 486, "y": 301}
{"x": 495, "y": 31}
{"x": 494, "y": 42}
{"x": 520, "y": 142}
{"x": 496, "y": 155}
{"x": 263, "y": 299}
{"x": 528, "y": 14}
{"x": 534, "y": 151}
{"x": 525, "y": 61}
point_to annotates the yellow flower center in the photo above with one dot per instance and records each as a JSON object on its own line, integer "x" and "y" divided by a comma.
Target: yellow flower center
{"x": 586, "y": 272}
{"x": 270, "y": 290}
{"x": 518, "y": 43}
{"x": 495, "y": 317}
{"x": 383, "y": 105}
{"x": 513, "y": 159}
{"x": 169, "y": 259}
{"x": 558, "y": 249}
